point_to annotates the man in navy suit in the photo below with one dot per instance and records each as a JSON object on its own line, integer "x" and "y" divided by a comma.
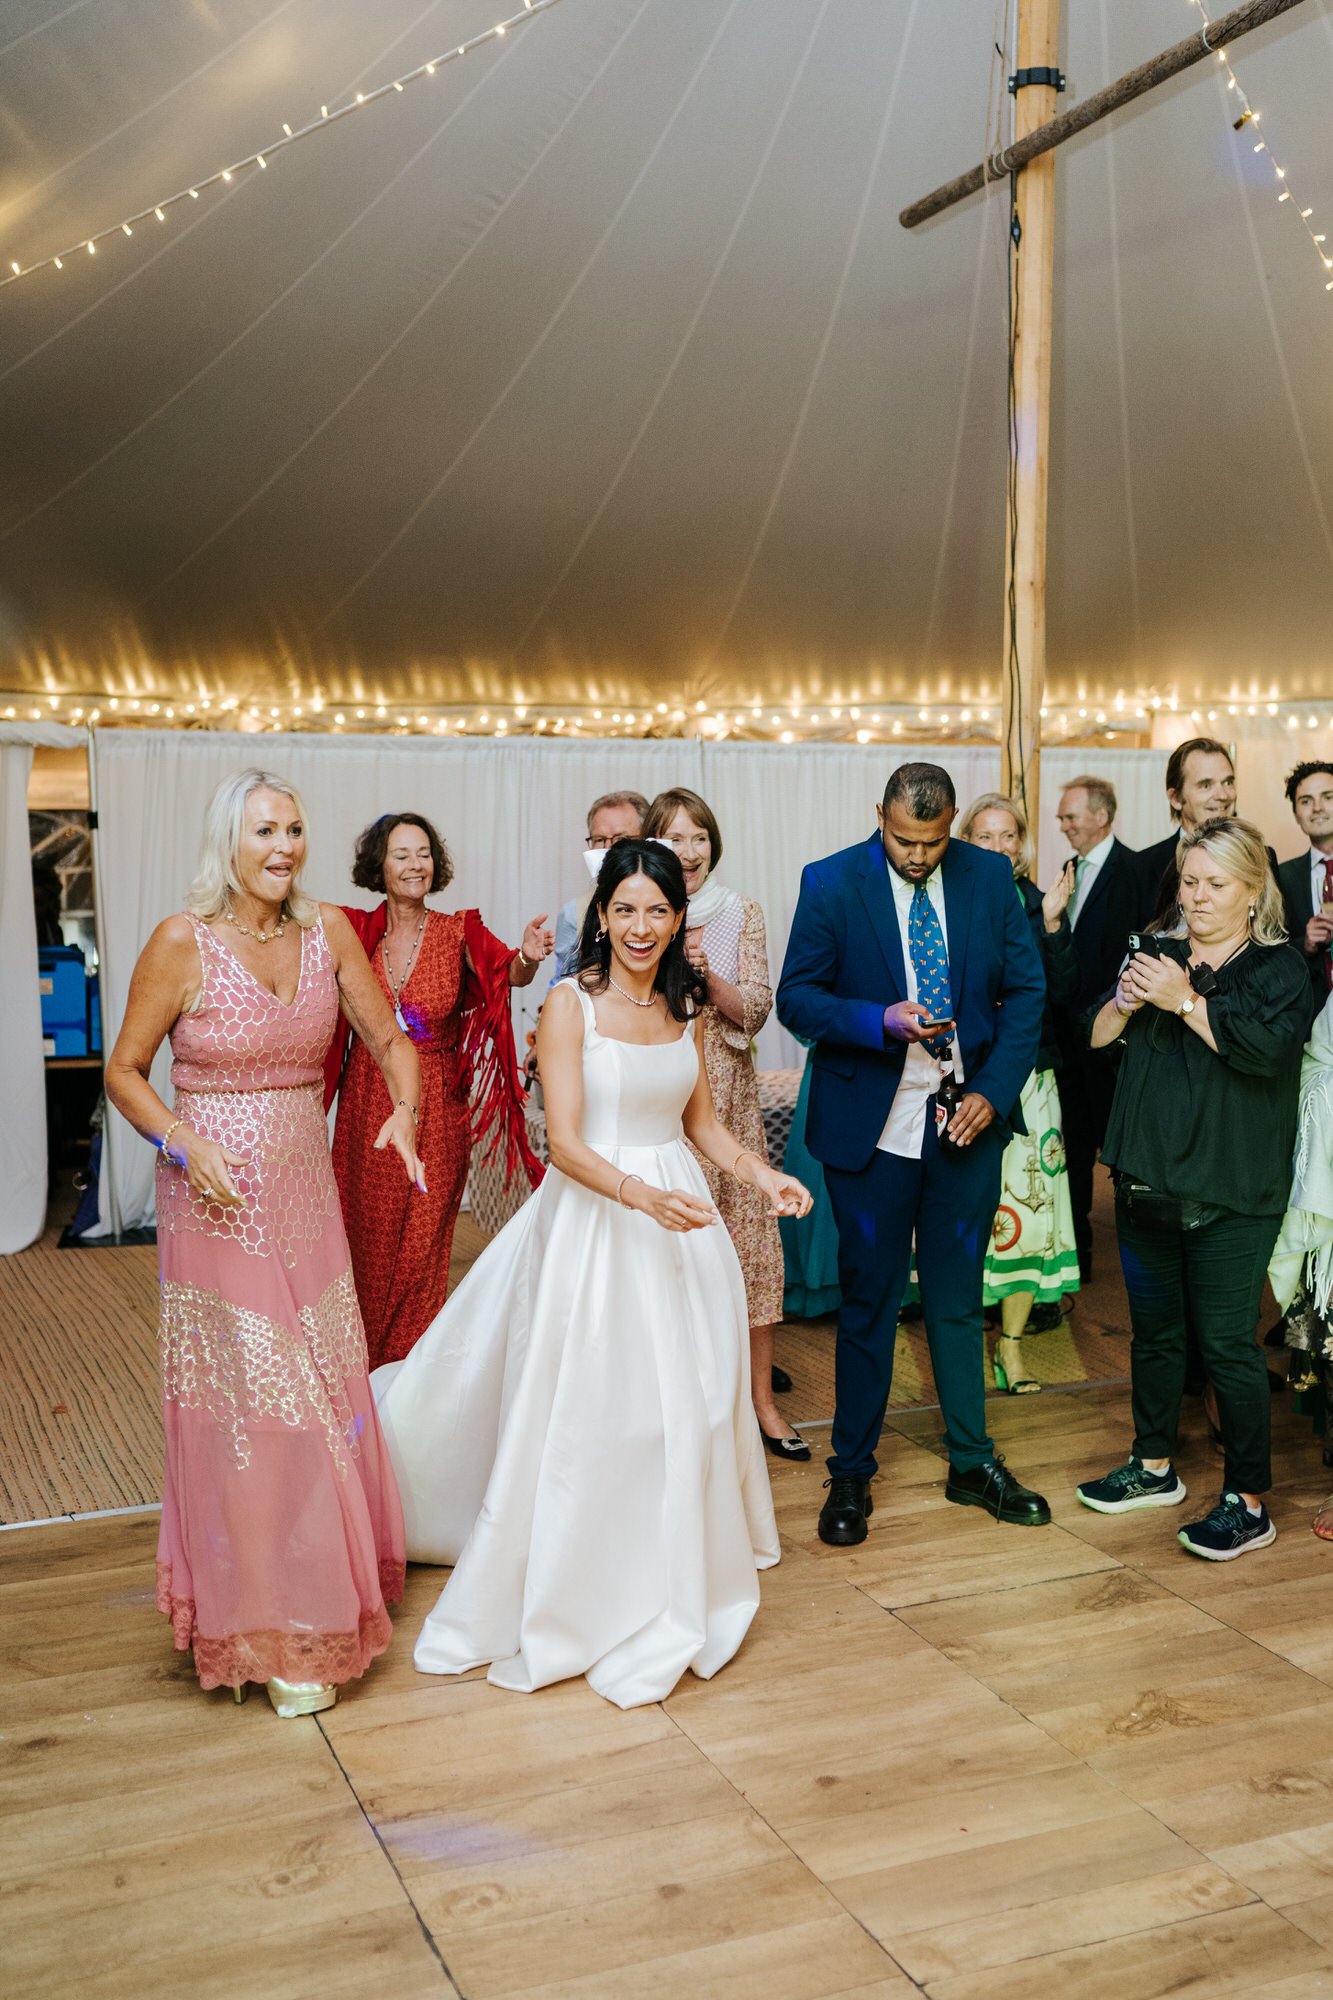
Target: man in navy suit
{"x": 905, "y": 918}
{"x": 1306, "y": 881}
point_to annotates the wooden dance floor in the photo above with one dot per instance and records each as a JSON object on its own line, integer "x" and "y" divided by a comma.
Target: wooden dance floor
{"x": 971, "y": 1762}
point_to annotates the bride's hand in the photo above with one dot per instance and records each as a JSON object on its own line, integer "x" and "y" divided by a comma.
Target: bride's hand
{"x": 786, "y": 1196}
{"x": 670, "y": 1208}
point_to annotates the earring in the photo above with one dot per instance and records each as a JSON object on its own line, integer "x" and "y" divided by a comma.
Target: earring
{"x": 601, "y": 933}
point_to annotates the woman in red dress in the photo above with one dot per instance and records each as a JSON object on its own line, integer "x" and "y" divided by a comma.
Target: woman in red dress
{"x": 448, "y": 980}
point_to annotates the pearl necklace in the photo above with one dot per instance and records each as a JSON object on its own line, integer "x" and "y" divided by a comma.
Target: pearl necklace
{"x": 650, "y": 1002}
{"x": 260, "y": 937}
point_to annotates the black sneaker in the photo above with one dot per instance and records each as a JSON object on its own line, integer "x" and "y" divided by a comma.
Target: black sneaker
{"x": 1132, "y": 1485}
{"x": 1229, "y": 1530}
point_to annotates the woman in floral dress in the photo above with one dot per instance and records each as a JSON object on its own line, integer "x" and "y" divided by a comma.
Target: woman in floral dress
{"x": 725, "y": 941}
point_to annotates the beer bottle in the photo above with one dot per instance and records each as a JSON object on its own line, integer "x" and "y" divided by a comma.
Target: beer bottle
{"x": 947, "y": 1100}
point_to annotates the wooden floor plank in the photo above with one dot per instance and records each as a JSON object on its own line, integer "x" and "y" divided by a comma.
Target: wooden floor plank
{"x": 961, "y": 1760}
{"x": 1231, "y": 1955}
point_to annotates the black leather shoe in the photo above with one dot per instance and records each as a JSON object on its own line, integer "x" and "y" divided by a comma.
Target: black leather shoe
{"x": 781, "y": 1381}
{"x": 844, "y": 1517}
{"x": 994, "y": 1487}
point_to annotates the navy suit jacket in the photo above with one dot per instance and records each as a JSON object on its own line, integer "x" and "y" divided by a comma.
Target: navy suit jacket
{"x": 844, "y": 966}
{"x": 1293, "y": 878}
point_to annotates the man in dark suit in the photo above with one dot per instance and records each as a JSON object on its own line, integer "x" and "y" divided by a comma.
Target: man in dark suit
{"x": 1102, "y": 911}
{"x": 1307, "y": 881}
{"x": 910, "y": 956}
{"x": 1200, "y": 785}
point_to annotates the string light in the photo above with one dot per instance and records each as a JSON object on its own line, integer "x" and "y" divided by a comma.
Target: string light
{"x": 259, "y": 159}
{"x": 1249, "y": 116}
{"x": 1071, "y": 722}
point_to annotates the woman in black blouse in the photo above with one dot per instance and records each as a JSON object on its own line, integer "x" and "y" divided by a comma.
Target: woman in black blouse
{"x": 1212, "y": 1018}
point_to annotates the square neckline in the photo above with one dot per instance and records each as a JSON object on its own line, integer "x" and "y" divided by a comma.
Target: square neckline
{"x": 619, "y": 1041}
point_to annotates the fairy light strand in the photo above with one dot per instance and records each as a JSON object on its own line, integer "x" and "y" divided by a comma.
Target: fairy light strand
{"x": 263, "y": 156}
{"x": 1249, "y": 119}
{"x": 869, "y": 721}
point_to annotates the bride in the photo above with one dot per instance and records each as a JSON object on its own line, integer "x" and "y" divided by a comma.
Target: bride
{"x": 574, "y": 1431}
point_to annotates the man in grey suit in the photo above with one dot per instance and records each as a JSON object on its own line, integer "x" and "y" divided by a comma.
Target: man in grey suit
{"x": 1307, "y": 880}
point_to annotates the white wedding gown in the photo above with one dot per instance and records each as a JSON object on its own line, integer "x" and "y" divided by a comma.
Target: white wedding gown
{"x": 574, "y": 1431}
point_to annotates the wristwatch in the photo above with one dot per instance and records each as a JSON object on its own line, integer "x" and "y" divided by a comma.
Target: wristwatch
{"x": 1185, "y": 1007}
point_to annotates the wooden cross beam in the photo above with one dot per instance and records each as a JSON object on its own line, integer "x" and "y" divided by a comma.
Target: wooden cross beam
{"x": 1228, "y": 28}
{"x": 1030, "y": 159}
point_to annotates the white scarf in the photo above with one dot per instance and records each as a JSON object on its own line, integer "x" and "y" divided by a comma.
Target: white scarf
{"x": 713, "y": 900}
{"x": 1305, "y": 1242}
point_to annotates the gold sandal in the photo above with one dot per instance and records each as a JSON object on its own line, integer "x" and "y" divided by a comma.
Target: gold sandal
{"x": 293, "y": 1698}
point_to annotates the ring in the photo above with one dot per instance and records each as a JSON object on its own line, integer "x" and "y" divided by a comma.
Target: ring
{"x": 207, "y": 1193}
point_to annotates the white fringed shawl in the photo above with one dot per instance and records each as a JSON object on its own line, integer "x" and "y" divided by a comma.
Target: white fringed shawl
{"x": 1305, "y": 1242}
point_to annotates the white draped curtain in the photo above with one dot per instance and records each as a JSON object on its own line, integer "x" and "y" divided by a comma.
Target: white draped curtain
{"x": 22, "y": 1081}
{"x": 512, "y": 814}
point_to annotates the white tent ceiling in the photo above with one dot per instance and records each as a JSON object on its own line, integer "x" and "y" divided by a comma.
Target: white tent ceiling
{"x": 599, "y": 364}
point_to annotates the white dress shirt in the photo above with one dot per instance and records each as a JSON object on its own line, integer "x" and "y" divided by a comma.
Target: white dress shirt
{"x": 905, "y": 1131}
{"x": 1317, "y": 879}
{"x": 1088, "y": 869}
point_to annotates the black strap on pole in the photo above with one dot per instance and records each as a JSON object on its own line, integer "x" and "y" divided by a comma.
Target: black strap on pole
{"x": 1053, "y": 79}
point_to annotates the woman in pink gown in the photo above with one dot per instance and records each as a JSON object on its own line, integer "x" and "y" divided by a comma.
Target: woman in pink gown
{"x": 281, "y": 1534}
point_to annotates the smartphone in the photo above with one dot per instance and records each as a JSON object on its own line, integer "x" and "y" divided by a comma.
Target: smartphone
{"x": 933, "y": 1027}
{"x": 1145, "y": 941}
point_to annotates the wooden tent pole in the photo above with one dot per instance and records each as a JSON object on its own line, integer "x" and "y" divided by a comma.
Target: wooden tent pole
{"x": 1032, "y": 269}
{"x": 1032, "y": 142}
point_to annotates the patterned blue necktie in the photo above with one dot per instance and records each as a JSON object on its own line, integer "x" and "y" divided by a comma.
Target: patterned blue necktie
{"x": 930, "y": 962}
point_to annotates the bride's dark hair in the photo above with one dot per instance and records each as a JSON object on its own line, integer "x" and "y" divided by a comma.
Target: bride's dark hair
{"x": 675, "y": 978}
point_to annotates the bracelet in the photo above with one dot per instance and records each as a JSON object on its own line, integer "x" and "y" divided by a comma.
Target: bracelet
{"x": 403, "y": 1105}
{"x": 744, "y": 1154}
{"x": 531, "y": 963}
{"x": 620, "y": 1191}
{"x": 162, "y": 1142}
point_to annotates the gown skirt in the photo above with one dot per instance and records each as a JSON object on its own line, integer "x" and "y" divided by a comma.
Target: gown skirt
{"x": 574, "y": 1432}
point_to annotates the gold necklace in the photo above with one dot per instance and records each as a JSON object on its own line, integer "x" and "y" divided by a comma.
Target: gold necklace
{"x": 629, "y": 996}
{"x": 260, "y": 937}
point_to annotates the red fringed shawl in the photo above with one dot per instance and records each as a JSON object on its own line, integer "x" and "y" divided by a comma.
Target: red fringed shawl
{"x": 488, "y": 1071}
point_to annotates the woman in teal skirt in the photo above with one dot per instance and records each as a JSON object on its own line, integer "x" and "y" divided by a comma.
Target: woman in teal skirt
{"x": 810, "y": 1253}
{"x": 1032, "y": 1260}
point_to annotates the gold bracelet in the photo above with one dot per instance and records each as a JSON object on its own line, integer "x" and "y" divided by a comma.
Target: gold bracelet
{"x": 744, "y": 1154}
{"x": 162, "y": 1142}
{"x": 403, "y": 1105}
{"x": 531, "y": 963}
{"x": 620, "y": 1191}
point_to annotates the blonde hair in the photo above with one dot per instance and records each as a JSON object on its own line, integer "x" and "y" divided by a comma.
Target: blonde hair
{"x": 1239, "y": 848}
{"x": 1026, "y": 858}
{"x": 216, "y": 880}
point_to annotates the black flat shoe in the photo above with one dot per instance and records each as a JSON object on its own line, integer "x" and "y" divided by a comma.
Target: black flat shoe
{"x": 845, "y": 1515}
{"x": 794, "y": 1448}
{"x": 994, "y": 1487}
{"x": 781, "y": 1382}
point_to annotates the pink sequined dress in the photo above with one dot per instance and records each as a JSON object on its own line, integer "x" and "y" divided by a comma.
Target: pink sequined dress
{"x": 282, "y": 1533}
